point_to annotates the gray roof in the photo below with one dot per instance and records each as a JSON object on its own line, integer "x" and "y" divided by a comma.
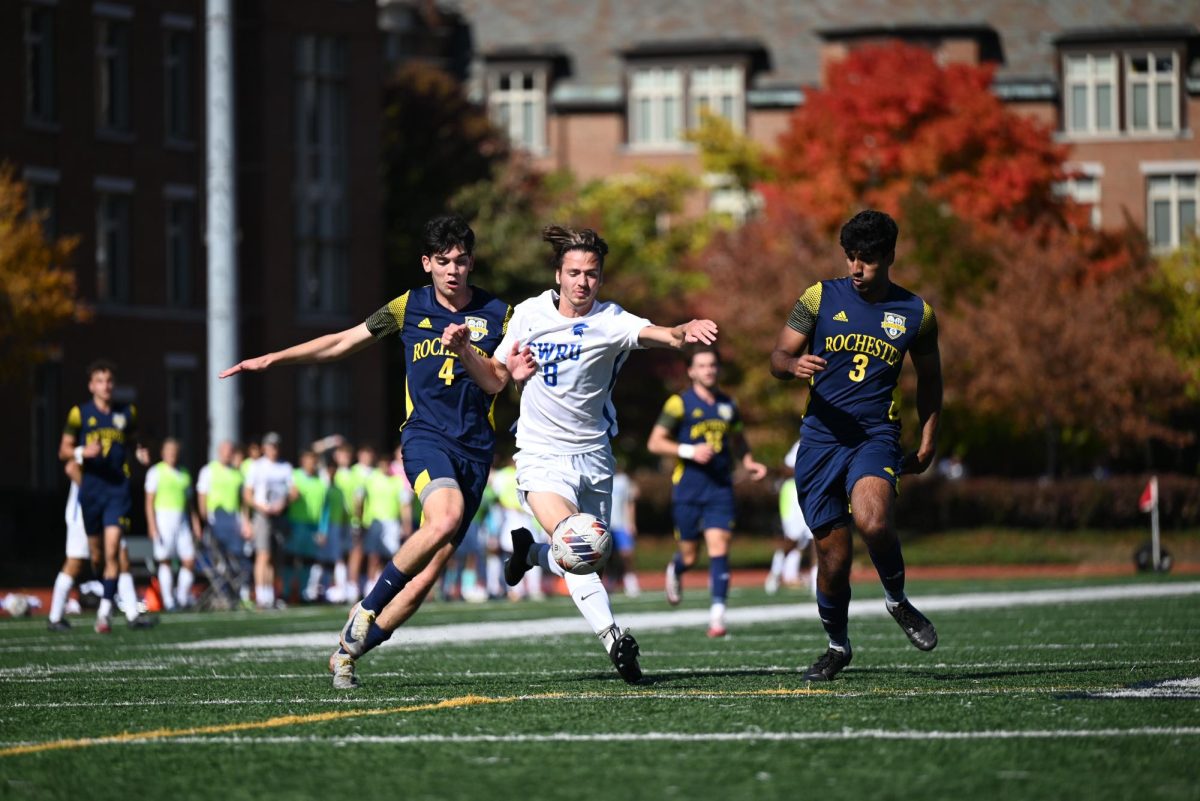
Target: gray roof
{"x": 594, "y": 34}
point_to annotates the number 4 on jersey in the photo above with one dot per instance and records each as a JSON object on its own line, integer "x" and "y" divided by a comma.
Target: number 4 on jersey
{"x": 447, "y": 371}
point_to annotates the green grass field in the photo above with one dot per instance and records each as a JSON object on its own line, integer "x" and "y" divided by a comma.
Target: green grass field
{"x": 1037, "y": 690}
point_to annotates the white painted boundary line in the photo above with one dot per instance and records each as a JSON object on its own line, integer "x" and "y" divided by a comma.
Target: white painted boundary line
{"x": 649, "y": 621}
{"x": 683, "y": 737}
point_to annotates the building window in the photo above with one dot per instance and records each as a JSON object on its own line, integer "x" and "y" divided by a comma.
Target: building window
{"x": 720, "y": 91}
{"x": 1090, "y": 92}
{"x": 321, "y": 225}
{"x": 180, "y": 236}
{"x": 41, "y": 186}
{"x": 180, "y": 406}
{"x": 656, "y": 106}
{"x": 40, "y": 96}
{"x": 1083, "y": 187}
{"x": 178, "y": 69}
{"x": 1172, "y": 203}
{"x": 1152, "y": 99}
{"x": 112, "y": 74}
{"x": 322, "y": 403}
{"x": 517, "y": 102}
{"x": 112, "y": 246}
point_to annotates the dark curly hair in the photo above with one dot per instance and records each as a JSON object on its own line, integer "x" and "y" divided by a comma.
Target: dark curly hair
{"x": 444, "y": 233}
{"x": 870, "y": 235}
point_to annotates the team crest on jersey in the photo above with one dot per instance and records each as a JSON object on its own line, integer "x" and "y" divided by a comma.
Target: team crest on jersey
{"x": 697, "y": 413}
{"x": 91, "y": 421}
{"x": 725, "y": 411}
{"x": 893, "y": 325}
{"x": 119, "y": 421}
{"x": 578, "y": 329}
{"x": 478, "y": 326}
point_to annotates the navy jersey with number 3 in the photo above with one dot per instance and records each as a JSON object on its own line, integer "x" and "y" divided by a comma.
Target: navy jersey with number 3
{"x": 864, "y": 344}
{"x": 440, "y": 398}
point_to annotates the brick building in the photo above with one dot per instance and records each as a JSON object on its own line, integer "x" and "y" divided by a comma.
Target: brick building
{"x": 602, "y": 88}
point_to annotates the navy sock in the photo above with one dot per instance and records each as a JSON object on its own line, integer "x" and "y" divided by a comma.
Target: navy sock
{"x": 391, "y": 581}
{"x": 110, "y": 588}
{"x": 889, "y": 564}
{"x": 375, "y": 637}
{"x": 834, "y": 610}
{"x": 680, "y": 567}
{"x": 718, "y": 572}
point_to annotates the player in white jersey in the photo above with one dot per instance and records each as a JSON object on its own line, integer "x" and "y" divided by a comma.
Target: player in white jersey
{"x": 268, "y": 490}
{"x": 566, "y": 348}
{"x": 797, "y": 536}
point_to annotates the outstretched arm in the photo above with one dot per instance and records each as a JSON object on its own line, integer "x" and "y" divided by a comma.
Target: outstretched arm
{"x": 658, "y": 336}
{"x": 789, "y": 359}
{"x": 328, "y": 348}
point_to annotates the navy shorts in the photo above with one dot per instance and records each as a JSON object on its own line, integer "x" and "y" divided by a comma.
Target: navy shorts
{"x": 692, "y": 518}
{"x": 429, "y": 464}
{"x": 104, "y": 505}
{"x": 826, "y": 475}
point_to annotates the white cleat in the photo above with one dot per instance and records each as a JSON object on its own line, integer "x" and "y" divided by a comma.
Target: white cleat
{"x": 342, "y": 667}
{"x": 673, "y": 586}
{"x": 354, "y": 633}
{"x": 772, "y": 584}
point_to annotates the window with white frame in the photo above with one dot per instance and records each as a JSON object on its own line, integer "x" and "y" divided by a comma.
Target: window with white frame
{"x": 719, "y": 90}
{"x": 655, "y": 106}
{"x": 113, "y": 243}
{"x": 1090, "y": 81}
{"x": 180, "y": 238}
{"x": 1172, "y": 201}
{"x": 321, "y": 223}
{"x": 517, "y": 104}
{"x": 112, "y": 74}
{"x": 1083, "y": 187}
{"x": 178, "y": 81}
{"x": 41, "y": 101}
{"x": 1152, "y": 95}
{"x": 322, "y": 403}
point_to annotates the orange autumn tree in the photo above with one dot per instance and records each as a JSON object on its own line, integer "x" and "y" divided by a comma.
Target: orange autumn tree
{"x": 891, "y": 122}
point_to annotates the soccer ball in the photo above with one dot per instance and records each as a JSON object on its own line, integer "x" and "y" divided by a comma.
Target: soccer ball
{"x": 581, "y": 544}
{"x": 16, "y": 605}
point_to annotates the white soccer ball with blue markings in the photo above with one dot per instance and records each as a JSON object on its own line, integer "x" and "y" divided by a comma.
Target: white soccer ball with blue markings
{"x": 581, "y": 544}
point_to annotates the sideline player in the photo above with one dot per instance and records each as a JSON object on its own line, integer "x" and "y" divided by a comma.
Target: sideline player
{"x": 79, "y": 553}
{"x": 702, "y": 428}
{"x": 107, "y": 430}
{"x": 219, "y": 498}
{"x": 172, "y": 524}
{"x": 448, "y": 437}
{"x": 796, "y": 538}
{"x": 848, "y": 337}
{"x": 269, "y": 488}
{"x": 564, "y": 459}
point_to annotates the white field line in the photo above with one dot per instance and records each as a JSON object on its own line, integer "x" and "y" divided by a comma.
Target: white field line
{"x": 649, "y": 621}
{"x": 679, "y": 737}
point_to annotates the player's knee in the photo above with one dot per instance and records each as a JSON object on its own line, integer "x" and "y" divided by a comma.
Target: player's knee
{"x": 874, "y": 528}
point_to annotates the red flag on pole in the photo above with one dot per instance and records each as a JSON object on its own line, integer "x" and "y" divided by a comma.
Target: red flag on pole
{"x": 1149, "y": 500}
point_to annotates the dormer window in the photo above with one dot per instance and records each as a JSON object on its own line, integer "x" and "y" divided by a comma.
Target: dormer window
{"x": 1152, "y": 96}
{"x": 516, "y": 98}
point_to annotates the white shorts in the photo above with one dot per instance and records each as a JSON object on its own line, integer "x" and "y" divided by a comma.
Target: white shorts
{"x": 174, "y": 537}
{"x": 797, "y": 530}
{"x": 77, "y": 541}
{"x": 583, "y": 479}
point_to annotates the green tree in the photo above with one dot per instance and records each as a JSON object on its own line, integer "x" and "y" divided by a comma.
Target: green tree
{"x": 1176, "y": 288}
{"x": 37, "y": 289}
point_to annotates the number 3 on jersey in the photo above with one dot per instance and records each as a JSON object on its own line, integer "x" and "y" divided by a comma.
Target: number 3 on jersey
{"x": 447, "y": 371}
{"x": 860, "y": 367}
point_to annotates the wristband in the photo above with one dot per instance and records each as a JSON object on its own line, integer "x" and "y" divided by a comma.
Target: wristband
{"x": 687, "y": 451}
{"x": 79, "y": 454}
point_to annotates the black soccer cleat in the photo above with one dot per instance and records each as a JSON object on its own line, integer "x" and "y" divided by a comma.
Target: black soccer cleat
{"x": 58, "y": 625}
{"x": 518, "y": 564}
{"x": 920, "y": 631}
{"x": 624, "y": 656}
{"x": 142, "y": 622}
{"x": 828, "y": 665}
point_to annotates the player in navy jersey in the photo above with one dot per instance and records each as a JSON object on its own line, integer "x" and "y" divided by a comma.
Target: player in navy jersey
{"x": 448, "y": 436}
{"x": 108, "y": 431}
{"x": 848, "y": 337}
{"x": 702, "y": 428}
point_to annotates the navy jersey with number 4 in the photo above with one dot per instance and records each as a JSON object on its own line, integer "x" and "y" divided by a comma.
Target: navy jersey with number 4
{"x": 693, "y": 421}
{"x": 864, "y": 344}
{"x": 440, "y": 398}
{"x": 112, "y": 429}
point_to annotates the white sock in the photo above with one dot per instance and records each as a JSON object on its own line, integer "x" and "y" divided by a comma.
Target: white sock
{"x": 166, "y": 586}
{"x": 716, "y": 614}
{"x": 533, "y": 583}
{"x": 314, "y": 582}
{"x": 339, "y": 578}
{"x": 58, "y": 599}
{"x": 589, "y": 595}
{"x": 183, "y": 593}
{"x": 791, "y": 567}
{"x": 266, "y": 596}
{"x": 128, "y": 595}
{"x": 494, "y": 569}
{"x": 105, "y": 610}
{"x": 777, "y": 562}
{"x": 632, "y": 587}
{"x": 244, "y": 592}
{"x": 542, "y": 551}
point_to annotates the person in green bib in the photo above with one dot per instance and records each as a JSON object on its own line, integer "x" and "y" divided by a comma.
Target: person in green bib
{"x": 305, "y": 514}
{"x": 387, "y": 516}
{"x": 173, "y": 524}
{"x": 327, "y": 579}
{"x": 219, "y": 497}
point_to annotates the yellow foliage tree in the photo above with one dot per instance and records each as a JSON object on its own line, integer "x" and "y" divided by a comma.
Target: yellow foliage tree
{"x": 37, "y": 290}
